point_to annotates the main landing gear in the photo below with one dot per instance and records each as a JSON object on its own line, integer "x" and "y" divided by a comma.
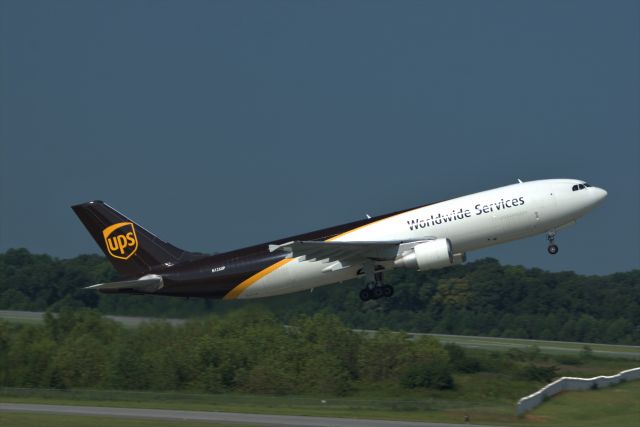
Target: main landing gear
{"x": 553, "y": 248}
{"x": 373, "y": 291}
{"x": 374, "y": 288}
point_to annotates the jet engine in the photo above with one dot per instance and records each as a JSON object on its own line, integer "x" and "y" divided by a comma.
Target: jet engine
{"x": 429, "y": 255}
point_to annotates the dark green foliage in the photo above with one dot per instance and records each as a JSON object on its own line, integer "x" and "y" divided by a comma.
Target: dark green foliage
{"x": 427, "y": 375}
{"x": 479, "y": 298}
{"x": 530, "y": 354}
{"x": 247, "y": 351}
{"x": 460, "y": 361}
{"x": 72, "y": 349}
{"x": 568, "y": 359}
{"x": 428, "y": 366}
{"x": 533, "y": 372}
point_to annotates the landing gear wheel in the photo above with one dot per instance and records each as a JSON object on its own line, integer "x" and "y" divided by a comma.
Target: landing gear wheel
{"x": 374, "y": 286}
{"x": 378, "y": 292}
{"x": 366, "y": 294}
{"x": 551, "y": 237}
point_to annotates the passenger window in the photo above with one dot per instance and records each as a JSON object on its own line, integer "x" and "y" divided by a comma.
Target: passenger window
{"x": 574, "y": 188}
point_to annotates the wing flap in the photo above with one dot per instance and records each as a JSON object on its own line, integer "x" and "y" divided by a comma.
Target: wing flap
{"x": 346, "y": 252}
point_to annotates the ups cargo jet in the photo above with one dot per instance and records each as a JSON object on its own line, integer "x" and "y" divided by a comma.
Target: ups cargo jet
{"x": 426, "y": 237}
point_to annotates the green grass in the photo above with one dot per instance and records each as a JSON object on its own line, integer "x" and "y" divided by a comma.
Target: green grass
{"x": 411, "y": 407}
{"x": 618, "y": 405}
{"x": 613, "y": 406}
{"x": 17, "y": 419}
{"x": 487, "y": 397}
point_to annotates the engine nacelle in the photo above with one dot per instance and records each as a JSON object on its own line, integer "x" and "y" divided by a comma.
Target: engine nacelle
{"x": 429, "y": 255}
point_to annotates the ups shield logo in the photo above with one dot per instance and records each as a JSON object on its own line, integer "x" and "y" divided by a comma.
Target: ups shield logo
{"x": 121, "y": 240}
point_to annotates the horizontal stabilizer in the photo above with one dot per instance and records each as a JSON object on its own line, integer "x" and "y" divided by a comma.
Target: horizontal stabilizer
{"x": 151, "y": 284}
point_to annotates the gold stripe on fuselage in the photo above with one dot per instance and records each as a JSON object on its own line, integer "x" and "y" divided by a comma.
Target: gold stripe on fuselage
{"x": 235, "y": 292}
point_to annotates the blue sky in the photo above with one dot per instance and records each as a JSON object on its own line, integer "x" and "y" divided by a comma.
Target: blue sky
{"x": 219, "y": 124}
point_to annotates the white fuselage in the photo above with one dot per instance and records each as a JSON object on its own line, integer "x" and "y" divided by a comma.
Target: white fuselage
{"x": 470, "y": 222}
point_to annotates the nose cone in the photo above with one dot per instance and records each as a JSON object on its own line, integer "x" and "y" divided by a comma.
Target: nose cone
{"x": 599, "y": 194}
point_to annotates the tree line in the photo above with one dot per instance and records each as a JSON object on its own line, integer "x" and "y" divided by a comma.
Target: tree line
{"x": 478, "y": 298}
{"x": 246, "y": 351}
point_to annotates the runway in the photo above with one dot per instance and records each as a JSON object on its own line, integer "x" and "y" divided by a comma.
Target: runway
{"x": 214, "y": 417}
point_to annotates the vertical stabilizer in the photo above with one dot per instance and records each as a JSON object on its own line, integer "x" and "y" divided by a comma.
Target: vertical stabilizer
{"x": 131, "y": 249}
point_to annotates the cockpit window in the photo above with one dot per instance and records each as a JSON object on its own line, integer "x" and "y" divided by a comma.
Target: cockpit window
{"x": 580, "y": 186}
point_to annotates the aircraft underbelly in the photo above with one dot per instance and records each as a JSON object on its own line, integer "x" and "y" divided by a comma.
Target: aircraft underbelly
{"x": 297, "y": 276}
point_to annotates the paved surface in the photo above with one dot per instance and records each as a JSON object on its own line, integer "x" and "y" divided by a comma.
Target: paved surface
{"x": 550, "y": 347}
{"x": 38, "y": 316}
{"x": 217, "y": 417}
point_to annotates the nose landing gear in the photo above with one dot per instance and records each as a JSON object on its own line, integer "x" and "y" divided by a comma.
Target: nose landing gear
{"x": 552, "y": 248}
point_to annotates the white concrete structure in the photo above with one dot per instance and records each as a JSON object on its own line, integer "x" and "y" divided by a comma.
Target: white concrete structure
{"x": 570, "y": 383}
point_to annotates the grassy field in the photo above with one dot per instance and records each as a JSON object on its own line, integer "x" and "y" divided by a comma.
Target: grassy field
{"x": 619, "y": 405}
{"x": 376, "y": 407}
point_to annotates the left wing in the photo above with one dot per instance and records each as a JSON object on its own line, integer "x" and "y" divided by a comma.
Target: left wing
{"x": 346, "y": 252}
